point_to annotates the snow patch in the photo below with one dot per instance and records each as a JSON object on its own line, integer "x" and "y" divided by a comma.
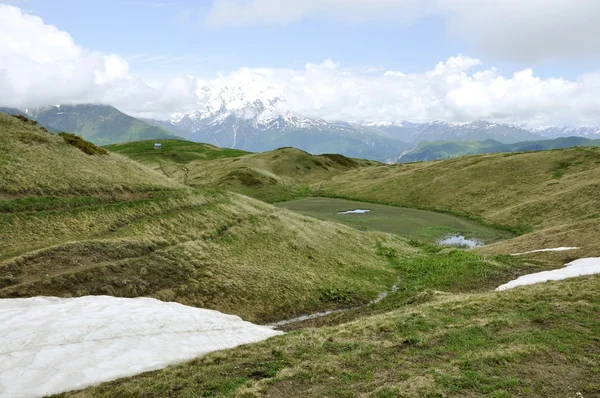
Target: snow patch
{"x": 355, "y": 211}
{"x": 555, "y": 249}
{"x": 583, "y": 266}
{"x": 49, "y": 345}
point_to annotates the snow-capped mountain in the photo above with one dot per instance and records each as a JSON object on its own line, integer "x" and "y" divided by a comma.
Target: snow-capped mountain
{"x": 260, "y": 121}
{"x": 557, "y": 132}
{"x": 480, "y": 130}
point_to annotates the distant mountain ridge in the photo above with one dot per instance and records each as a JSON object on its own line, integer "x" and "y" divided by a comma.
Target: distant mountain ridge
{"x": 479, "y": 130}
{"x": 436, "y": 150}
{"x": 100, "y": 124}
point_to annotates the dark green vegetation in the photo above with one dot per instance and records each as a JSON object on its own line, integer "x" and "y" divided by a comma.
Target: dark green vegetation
{"x": 100, "y": 124}
{"x": 418, "y": 224}
{"x": 73, "y": 224}
{"x": 83, "y": 145}
{"x": 449, "y": 149}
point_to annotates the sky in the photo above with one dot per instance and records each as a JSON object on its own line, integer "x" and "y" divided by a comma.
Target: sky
{"x": 528, "y": 62}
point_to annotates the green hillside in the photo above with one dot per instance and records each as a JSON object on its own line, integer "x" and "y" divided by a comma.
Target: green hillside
{"x": 271, "y": 176}
{"x": 100, "y": 124}
{"x": 549, "y": 195}
{"x": 134, "y": 221}
{"x": 435, "y": 150}
{"x": 74, "y": 224}
{"x": 35, "y": 161}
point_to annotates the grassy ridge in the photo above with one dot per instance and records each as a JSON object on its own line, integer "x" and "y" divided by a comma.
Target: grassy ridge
{"x": 104, "y": 224}
{"x": 172, "y": 151}
{"x": 34, "y": 161}
{"x": 273, "y": 176}
{"x": 537, "y": 341}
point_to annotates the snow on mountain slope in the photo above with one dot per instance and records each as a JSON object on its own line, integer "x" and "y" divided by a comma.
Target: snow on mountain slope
{"x": 50, "y": 345}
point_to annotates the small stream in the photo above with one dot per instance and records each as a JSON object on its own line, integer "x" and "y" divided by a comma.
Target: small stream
{"x": 321, "y": 314}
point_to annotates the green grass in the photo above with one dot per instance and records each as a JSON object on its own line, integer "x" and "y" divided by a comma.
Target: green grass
{"x": 519, "y": 191}
{"x": 208, "y": 249}
{"x": 419, "y": 224}
{"x": 172, "y": 151}
{"x": 273, "y": 176}
{"x": 537, "y": 341}
{"x": 73, "y": 224}
{"x": 83, "y": 145}
{"x": 36, "y": 162}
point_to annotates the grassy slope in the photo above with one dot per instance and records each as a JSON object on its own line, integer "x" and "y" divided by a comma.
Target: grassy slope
{"x": 104, "y": 224}
{"x": 34, "y": 161}
{"x": 536, "y": 341}
{"x": 271, "y": 176}
{"x": 526, "y": 192}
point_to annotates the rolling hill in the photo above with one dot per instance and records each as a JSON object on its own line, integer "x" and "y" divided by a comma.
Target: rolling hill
{"x": 74, "y": 224}
{"x": 100, "y": 124}
{"x": 271, "y": 176}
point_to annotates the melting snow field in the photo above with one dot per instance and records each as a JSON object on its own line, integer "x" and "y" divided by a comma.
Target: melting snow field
{"x": 460, "y": 241}
{"x": 355, "y": 211}
{"x": 555, "y": 249}
{"x": 50, "y": 345}
{"x": 583, "y": 266}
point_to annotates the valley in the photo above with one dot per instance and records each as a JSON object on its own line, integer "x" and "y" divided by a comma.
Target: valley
{"x": 259, "y": 235}
{"x": 427, "y": 226}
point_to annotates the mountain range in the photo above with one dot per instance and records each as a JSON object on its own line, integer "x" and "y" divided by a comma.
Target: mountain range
{"x": 434, "y": 150}
{"x": 231, "y": 118}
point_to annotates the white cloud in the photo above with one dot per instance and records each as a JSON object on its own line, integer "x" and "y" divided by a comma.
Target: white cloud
{"x": 458, "y": 89}
{"x": 41, "y": 65}
{"x": 521, "y": 30}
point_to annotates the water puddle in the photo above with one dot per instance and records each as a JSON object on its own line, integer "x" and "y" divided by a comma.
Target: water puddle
{"x": 355, "y": 211}
{"x": 460, "y": 241}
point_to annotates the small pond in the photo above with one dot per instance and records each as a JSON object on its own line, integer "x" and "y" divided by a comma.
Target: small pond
{"x": 460, "y": 241}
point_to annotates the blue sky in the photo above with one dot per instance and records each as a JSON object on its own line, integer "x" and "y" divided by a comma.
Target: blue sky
{"x": 160, "y": 37}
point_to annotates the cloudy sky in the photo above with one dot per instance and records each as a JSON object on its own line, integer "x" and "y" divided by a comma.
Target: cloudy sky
{"x": 531, "y": 62}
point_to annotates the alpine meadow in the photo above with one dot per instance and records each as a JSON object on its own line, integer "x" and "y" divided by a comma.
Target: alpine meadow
{"x": 299, "y": 198}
